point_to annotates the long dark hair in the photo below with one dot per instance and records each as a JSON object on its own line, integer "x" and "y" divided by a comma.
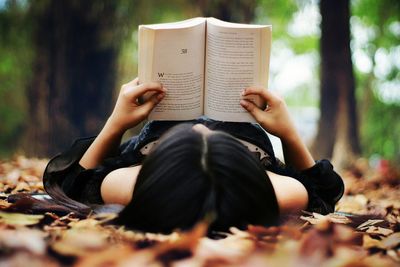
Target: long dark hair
{"x": 189, "y": 176}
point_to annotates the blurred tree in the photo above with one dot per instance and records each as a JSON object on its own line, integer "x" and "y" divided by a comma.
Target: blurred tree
{"x": 75, "y": 50}
{"x": 337, "y": 135}
{"x": 15, "y": 58}
{"x": 76, "y": 45}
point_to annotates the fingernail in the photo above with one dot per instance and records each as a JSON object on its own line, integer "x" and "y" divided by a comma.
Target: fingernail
{"x": 243, "y": 92}
{"x": 160, "y": 96}
{"x": 244, "y": 103}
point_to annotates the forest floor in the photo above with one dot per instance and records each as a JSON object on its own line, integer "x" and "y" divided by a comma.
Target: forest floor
{"x": 364, "y": 231}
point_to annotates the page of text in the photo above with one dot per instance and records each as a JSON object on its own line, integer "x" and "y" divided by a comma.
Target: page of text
{"x": 178, "y": 63}
{"x": 232, "y": 64}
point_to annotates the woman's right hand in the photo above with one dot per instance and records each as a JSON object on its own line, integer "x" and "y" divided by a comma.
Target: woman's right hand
{"x": 128, "y": 112}
{"x": 275, "y": 117}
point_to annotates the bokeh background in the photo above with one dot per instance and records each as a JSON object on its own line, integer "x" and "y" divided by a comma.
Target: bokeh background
{"x": 336, "y": 63}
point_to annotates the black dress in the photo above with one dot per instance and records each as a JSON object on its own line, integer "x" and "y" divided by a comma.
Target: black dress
{"x": 70, "y": 184}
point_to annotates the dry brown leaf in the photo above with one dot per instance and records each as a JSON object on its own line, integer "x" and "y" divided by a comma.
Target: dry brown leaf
{"x": 141, "y": 259}
{"x": 377, "y": 259}
{"x": 112, "y": 256}
{"x": 346, "y": 235}
{"x": 78, "y": 242}
{"x": 19, "y": 218}
{"x": 230, "y": 249}
{"x": 4, "y": 204}
{"x": 23, "y": 239}
{"x": 21, "y": 186}
{"x": 379, "y": 230}
{"x": 395, "y": 255}
{"x": 181, "y": 247}
{"x": 386, "y": 243}
{"x": 369, "y": 242}
{"x": 391, "y": 241}
{"x": 367, "y": 224}
{"x": 23, "y": 259}
{"x": 326, "y": 241}
{"x": 317, "y": 218}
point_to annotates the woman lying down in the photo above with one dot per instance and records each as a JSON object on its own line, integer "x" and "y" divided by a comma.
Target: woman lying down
{"x": 174, "y": 174}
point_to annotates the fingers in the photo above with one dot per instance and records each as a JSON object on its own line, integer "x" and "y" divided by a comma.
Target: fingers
{"x": 256, "y": 112}
{"x": 267, "y": 95}
{"x": 133, "y": 90}
{"x": 134, "y": 82}
{"x": 148, "y": 106}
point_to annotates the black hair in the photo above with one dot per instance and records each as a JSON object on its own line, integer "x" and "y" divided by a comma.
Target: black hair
{"x": 189, "y": 176}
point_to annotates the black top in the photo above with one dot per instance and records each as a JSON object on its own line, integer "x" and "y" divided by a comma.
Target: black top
{"x": 64, "y": 179}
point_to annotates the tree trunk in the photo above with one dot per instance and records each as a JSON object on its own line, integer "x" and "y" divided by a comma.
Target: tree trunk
{"x": 74, "y": 73}
{"x": 337, "y": 136}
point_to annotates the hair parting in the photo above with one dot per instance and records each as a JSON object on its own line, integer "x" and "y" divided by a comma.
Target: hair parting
{"x": 204, "y": 154}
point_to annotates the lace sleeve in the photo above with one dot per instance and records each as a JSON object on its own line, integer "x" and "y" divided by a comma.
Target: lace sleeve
{"x": 60, "y": 176}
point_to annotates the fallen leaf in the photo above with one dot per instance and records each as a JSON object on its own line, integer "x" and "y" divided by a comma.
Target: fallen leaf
{"x": 19, "y": 218}
{"x": 78, "y": 242}
{"x": 22, "y": 259}
{"x": 4, "y": 204}
{"x": 391, "y": 241}
{"x": 112, "y": 256}
{"x": 23, "y": 239}
{"x": 394, "y": 255}
{"x": 367, "y": 224}
{"x": 369, "y": 242}
{"x": 379, "y": 230}
{"x": 317, "y": 218}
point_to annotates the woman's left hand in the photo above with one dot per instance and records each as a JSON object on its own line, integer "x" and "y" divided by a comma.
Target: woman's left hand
{"x": 128, "y": 112}
{"x": 275, "y": 118}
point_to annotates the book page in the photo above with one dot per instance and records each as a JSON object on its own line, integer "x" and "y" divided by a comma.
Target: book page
{"x": 236, "y": 57}
{"x": 177, "y": 61}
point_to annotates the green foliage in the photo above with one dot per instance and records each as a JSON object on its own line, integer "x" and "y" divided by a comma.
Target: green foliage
{"x": 301, "y": 97}
{"x": 305, "y": 44}
{"x": 15, "y": 71}
{"x": 380, "y": 126}
{"x": 277, "y": 13}
{"x": 381, "y": 130}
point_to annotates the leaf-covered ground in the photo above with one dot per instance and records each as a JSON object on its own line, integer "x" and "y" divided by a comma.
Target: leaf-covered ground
{"x": 364, "y": 231}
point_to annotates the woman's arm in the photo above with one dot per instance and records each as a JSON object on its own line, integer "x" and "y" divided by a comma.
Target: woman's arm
{"x": 276, "y": 120}
{"x": 291, "y": 195}
{"x": 117, "y": 187}
{"x": 126, "y": 114}
{"x": 324, "y": 186}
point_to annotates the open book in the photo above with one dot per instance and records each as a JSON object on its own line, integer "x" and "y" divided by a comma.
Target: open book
{"x": 205, "y": 64}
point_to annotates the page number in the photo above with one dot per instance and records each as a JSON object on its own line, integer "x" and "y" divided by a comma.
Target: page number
{"x": 184, "y": 51}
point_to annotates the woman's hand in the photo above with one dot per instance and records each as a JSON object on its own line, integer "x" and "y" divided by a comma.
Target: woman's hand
{"x": 128, "y": 112}
{"x": 276, "y": 120}
{"x": 275, "y": 117}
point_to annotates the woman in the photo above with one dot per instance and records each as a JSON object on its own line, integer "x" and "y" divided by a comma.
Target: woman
{"x": 173, "y": 175}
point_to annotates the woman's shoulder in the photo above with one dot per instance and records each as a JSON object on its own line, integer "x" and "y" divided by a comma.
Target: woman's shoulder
{"x": 324, "y": 185}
